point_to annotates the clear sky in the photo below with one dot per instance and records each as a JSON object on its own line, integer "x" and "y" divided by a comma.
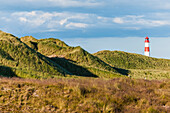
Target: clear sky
{"x": 93, "y": 24}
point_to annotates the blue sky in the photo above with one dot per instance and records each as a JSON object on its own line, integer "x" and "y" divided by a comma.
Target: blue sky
{"x": 88, "y": 23}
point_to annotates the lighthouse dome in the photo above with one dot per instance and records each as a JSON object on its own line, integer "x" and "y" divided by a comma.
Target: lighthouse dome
{"x": 147, "y": 37}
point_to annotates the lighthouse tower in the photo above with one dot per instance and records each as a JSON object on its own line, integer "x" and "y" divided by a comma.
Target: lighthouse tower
{"x": 147, "y": 49}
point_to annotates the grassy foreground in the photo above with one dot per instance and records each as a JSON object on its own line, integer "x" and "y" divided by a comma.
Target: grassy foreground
{"x": 84, "y": 95}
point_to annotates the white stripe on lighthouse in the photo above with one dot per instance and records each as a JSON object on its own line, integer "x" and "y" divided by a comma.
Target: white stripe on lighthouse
{"x": 147, "y": 54}
{"x": 146, "y": 44}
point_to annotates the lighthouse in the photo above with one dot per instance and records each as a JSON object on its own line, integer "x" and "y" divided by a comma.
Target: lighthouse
{"x": 147, "y": 49}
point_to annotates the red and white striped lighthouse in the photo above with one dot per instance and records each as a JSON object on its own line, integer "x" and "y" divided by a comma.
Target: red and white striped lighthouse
{"x": 147, "y": 49}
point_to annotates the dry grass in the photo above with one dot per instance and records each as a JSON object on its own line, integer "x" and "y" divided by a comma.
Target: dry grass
{"x": 84, "y": 95}
{"x": 150, "y": 74}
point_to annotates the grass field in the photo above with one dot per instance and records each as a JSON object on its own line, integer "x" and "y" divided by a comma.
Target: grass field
{"x": 84, "y": 95}
{"x": 151, "y": 74}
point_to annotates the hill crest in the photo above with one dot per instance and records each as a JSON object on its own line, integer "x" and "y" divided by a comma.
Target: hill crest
{"x": 127, "y": 60}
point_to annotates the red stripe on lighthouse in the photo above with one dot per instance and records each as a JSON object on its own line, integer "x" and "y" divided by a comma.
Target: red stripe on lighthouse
{"x": 146, "y": 49}
{"x": 146, "y": 41}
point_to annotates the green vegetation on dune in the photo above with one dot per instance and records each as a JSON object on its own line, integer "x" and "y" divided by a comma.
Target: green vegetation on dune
{"x": 74, "y": 57}
{"x": 24, "y": 61}
{"x": 73, "y": 67}
{"x": 140, "y": 66}
{"x": 82, "y": 57}
{"x": 45, "y": 45}
{"x": 51, "y": 47}
{"x": 126, "y": 60}
{"x": 84, "y": 95}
